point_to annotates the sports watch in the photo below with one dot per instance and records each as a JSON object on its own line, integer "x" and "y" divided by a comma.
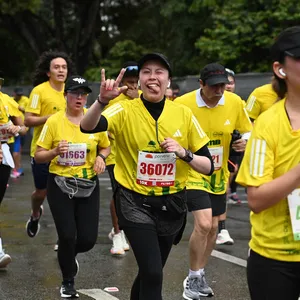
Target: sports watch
{"x": 188, "y": 157}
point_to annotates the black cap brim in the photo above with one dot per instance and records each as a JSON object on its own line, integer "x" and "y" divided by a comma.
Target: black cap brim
{"x": 293, "y": 52}
{"x": 77, "y": 87}
{"x": 155, "y": 56}
{"x": 216, "y": 80}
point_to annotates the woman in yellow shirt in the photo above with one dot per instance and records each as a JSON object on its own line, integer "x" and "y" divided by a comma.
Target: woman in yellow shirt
{"x": 153, "y": 158}
{"x": 73, "y": 186}
{"x": 271, "y": 172}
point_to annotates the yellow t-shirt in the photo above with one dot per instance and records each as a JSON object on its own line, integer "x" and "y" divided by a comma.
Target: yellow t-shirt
{"x": 272, "y": 150}
{"x": 218, "y": 123}
{"x": 11, "y": 110}
{"x": 43, "y": 101}
{"x": 260, "y": 100}
{"x": 57, "y": 128}
{"x": 135, "y": 130}
{"x": 111, "y": 157}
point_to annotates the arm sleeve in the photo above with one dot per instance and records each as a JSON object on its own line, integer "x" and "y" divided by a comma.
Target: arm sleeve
{"x": 243, "y": 122}
{"x": 101, "y": 126}
{"x": 253, "y": 106}
{"x": 258, "y": 163}
{"x": 205, "y": 152}
{"x": 34, "y": 104}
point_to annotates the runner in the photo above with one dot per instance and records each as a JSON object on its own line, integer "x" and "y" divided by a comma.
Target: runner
{"x": 153, "y": 156}
{"x": 270, "y": 171}
{"x": 11, "y": 124}
{"x": 46, "y": 99}
{"x": 260, "y": 100}
{"x": 220, "y": 113}
{"x": 130, "y": 79}
{"x": 19, "y": 141}
{"x": 73, "y": 186}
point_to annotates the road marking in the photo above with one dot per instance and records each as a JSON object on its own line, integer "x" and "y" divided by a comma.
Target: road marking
{"x": 230, "y": 258}
{"x": 98, "y": 294}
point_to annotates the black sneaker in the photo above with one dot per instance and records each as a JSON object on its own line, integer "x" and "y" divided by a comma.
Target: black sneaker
{"x": 33, "y": 226}
{"x": 67, "y": 290}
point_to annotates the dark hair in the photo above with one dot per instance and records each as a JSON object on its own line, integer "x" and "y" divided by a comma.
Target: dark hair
{"x": 43, "y": 66}
{"x": 279, "y": 86}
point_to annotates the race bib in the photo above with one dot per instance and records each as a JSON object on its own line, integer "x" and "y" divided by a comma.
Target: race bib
{"x": 217, "y": 156}
{"x": 4, "y": 135}
{"x": 75, "y": 156}
{"x": 294, "y": 206}
{"x": 156, "y": 169}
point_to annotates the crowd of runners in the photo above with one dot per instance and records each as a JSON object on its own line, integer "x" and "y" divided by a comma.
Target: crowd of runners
{"x": 167, "y": 155}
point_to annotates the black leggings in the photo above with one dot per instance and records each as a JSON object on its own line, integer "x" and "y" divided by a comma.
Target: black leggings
{"x": 76, "y": 222}
{"x": 270, "y": 279}
{"x": 4, "y": 176}
{"x": 151, "y": 252}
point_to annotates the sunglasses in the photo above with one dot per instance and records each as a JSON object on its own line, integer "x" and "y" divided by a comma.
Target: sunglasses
{"x": 78, "y": 94}
{"x": 131, "y": 68}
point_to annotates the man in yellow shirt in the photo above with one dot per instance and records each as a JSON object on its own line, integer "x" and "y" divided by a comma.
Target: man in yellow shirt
{"x": 220, "y": 113}
{"x": 46, "y": 98}
{"x": 260, "y": 100}
{"x": 130, "y": 79}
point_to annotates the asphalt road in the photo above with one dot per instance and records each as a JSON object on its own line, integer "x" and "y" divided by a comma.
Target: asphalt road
{"x": 34, "y": 272}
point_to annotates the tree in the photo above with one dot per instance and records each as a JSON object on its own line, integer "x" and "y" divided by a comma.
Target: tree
{"x": 243, "y": 31}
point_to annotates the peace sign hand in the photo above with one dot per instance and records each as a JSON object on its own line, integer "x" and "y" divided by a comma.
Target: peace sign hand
{"x": 109, "y": 88}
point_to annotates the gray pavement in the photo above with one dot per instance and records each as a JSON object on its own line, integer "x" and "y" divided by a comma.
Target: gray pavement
{"x": 34, "y": 272}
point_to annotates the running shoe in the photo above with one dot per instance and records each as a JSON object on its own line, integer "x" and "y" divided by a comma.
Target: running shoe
{"x": 126, "y": 246}
{"x": 224, "y": 238}
{"x": 67, "y": 290}
{"x": 33, "y": 226}
{"x": 234, "y": 199}
{"x": 191, "y": 287}
{"x": 117, "y": 247}
{"x": 5, "y": 259}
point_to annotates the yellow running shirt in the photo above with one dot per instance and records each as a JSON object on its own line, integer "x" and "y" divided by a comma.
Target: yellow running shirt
{"x": 218, "y": 123}
{"x": 44, "y": 101}
{"x": 141, "y": 166}
{"x": 273, "y": 150}
{"x": 80, "y": 160}
{"x": 260, "y": 100}
{"x": 110, "y": 160}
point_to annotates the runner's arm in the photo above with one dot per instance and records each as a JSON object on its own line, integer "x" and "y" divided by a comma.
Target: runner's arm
{"x": 32, "y": 120}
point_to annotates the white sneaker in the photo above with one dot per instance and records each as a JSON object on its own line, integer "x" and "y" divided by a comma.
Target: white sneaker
{"x": 117, "y": 248}
{"x": 5, "y": 259}
{"x": 224, "y": 238}
{"x": 111, "y": 234}
{"x": 126, "y": 246}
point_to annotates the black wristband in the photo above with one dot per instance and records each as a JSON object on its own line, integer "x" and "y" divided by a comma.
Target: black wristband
{"x": 102, "y": 156}
{"x": 100, "y": 102}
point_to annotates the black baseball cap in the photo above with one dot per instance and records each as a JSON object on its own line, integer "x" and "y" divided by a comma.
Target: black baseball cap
{"x": 287, "y": 43}
{"x": 213, "y": 74}
{"x": 19, "y": 91}
{"x": 132, "y": 69}
{"x": 77, "y": 82}
{"x": 155, "y": 56}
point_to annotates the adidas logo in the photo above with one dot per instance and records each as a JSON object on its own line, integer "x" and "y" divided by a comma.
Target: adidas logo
{"x": 227, "y": 122}
{"x": 177, "y": 133}
{"x": 91, "y": 137}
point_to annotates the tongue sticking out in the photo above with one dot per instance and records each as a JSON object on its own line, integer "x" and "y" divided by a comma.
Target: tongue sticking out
{"x": 154, "y": 88}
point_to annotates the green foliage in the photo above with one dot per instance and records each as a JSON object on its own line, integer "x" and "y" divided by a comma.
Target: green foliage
{"x": 12, "y": 7}
{"x": 121, "y": 52}
{"x": 243, "y": 31}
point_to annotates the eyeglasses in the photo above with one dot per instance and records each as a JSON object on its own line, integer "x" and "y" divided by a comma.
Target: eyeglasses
{"x": 131, "y": 68}
{"x": 78, "y": 94}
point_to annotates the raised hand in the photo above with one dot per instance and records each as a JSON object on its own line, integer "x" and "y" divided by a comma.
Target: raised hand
{"x": 109, "y": 88}
{"x": 171, "y": 145}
